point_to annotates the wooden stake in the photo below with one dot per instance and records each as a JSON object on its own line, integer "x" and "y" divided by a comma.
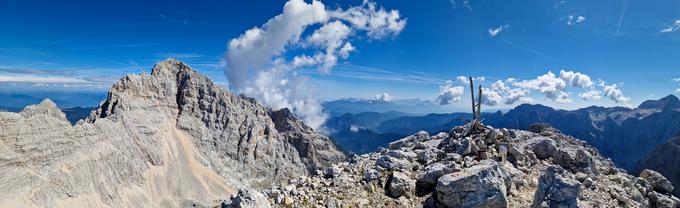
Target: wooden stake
{"x": 472, "y": 94}
{"x": 479, "y": 103}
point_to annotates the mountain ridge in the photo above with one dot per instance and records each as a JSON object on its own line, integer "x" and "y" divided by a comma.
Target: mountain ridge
{"x": 171, "y": 138}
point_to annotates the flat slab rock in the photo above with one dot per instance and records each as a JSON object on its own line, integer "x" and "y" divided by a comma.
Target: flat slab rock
{"x": 482, "y": 185}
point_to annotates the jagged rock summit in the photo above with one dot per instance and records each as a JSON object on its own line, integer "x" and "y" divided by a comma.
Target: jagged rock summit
{"x": 477, "y": 166}
{"x": 169, "y": 139}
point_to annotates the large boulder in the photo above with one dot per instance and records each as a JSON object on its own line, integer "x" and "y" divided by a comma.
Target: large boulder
{"x": 400, "y": 184}
{"x": 410, "y": 141}
{"x": 555, "y": 189}
{"x": 544, "y": 148}
{"x": 391, "y": 163}
{"x": 428, "y": 176}
{"x": 575, "y": 160}
{"x": 247, "y": 199}
{"x": 658, "y": 181}
{"x": 483, "y": 185}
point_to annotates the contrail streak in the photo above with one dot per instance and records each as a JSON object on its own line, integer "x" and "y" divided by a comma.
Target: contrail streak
{"x": 623, "y": 14}
{"x": 526, "y": 49}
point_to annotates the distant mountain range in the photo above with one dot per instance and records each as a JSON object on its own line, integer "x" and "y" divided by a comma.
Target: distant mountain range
{"x": 15, "y": 100}
{"x": 626, "y": 135}
{"x": 73, "y": 115}
{"x": 356, "y": 106}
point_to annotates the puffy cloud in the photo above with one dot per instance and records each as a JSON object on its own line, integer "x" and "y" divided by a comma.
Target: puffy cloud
{"x": 448, "y": 93}
{"x": 613, "y": 92}
{"x": 678, "y": 81}
{"x": 573, "y": 19}
{"x": 549, "y": 85}
{"x": 256, "y": 62}
{"x": 466, "y": 80}
{"x": 255, "y": 48}
{"x": 576, "y": 79}
{"x": 671, "y": 28}
{"x": 500, "y": 93}
{"x": 331, "y": 36}
{"x": 591, "y": 95}
{"x": 384, "y": 97}
{"x": 495, "y": 31}
{"x": 378, "y": 23}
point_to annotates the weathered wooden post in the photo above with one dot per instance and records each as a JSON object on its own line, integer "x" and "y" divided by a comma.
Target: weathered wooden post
{"x": 472, "y": 94}
{"x": 479, "y": 103}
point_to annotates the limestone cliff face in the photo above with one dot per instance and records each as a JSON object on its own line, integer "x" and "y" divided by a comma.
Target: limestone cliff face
{"x": 665, "y": 160}
{"x": 171, "y": 138}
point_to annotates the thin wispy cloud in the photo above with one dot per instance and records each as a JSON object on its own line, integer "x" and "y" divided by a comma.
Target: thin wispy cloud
{"x": 493, "y": 32}
{"x": 126, "y": 45}
{"x": 677, "y": 80}
{"x": 466, "y": 3}
{"x": 180, "y": 55}
{"x": 166, "y": 17}
{"x": 25, "y": 78}
{"x": 671, "y": 28}
{"x": 575, "y": 19}
{"x": 346, "y": 71}
{"x": 622, "y": 16}
{"x": 559, "y": 4}
{"x": 535, "y": 52}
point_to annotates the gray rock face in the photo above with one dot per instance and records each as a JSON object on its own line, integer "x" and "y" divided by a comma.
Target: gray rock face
{"x": 665, "y": 160}
{"x": 658, "y": 181}
{"x": 409, "y": 141}
{"x": 157, "y": 140}
{"x": 555, "y": 190}
{"x": 576, "y": 160}
{"x": 482, "y": 185}
{"x": 545, "y": 148}
{"x": 315, "y": 150}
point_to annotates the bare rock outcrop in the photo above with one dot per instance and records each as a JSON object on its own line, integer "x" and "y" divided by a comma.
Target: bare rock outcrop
{"x": 464, "y": 168}
{"x": 166, "y": 139}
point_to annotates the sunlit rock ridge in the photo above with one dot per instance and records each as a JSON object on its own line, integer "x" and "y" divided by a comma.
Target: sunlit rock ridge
{"x": 169, "y": 139}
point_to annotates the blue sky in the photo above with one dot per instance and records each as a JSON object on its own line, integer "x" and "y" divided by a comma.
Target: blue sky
{"x": 87, "y": 45}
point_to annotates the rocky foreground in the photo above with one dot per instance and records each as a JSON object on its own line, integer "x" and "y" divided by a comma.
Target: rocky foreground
{"x": 544, "y": 168}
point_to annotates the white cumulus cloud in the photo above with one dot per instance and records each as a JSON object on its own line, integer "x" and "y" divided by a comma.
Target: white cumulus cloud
{"x": 576, "y": 79}
{"x": 678, "y": 81}
{"x": 466, "y": 80}
{"x": 549, "y": 85}
{"x": 591, "y": 95}
{"x": 448, "y": 93}
{"x": 256, "y": 62}
{"x": 613, "y": 92}
{"x": 500, "y": 93}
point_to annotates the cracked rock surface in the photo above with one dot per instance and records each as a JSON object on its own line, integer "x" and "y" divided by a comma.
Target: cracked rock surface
{"x": 169, "y": 139}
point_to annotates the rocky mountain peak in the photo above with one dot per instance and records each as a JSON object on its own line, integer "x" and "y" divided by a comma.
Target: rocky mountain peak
{"x": 668, "y": 102}
{"x": 44, "y": 108}
{"x": 168, "y": 138}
